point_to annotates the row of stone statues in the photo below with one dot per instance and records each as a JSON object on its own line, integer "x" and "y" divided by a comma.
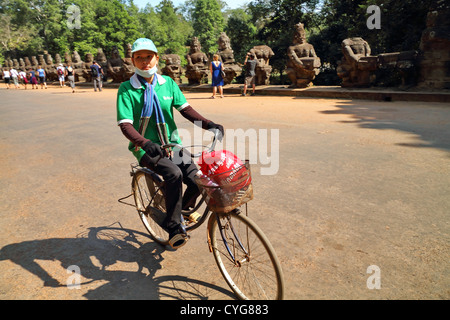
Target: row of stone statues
{"x": 197, "y": 69}
{"x": 358, "y": 68}
{"x": 302, "y": 65}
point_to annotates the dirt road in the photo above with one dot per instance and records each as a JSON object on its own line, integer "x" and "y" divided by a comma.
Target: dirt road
{"x": 354, "y": 196}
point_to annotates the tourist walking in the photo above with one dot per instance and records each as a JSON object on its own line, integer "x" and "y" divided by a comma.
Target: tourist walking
{"x": 42, "y": 75}
{"x": 33, "y": 80}
{"x": 61, "y": 73}
{"x": 15, "y": 77}
{"x": 6, "y": 77}
{"x": 23, "y": 78}
{"x": 70, "y": 76}
{"x": 97, "y": 76}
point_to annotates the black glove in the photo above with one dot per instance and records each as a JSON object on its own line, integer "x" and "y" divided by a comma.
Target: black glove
{"x": 212, "y": 125}
{"x": 153, "y": 150}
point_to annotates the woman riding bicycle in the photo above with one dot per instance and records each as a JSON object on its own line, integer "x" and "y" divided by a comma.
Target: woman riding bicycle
{"x": 145, "y": 106}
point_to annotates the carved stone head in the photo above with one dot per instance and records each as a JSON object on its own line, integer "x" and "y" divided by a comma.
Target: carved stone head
{"x": 299, "y": 34}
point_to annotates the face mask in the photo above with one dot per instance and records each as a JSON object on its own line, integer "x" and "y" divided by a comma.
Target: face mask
{"x": 146, "y": 73}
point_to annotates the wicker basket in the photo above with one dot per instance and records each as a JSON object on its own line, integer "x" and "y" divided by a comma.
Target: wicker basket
{"x": 227, "y": 190}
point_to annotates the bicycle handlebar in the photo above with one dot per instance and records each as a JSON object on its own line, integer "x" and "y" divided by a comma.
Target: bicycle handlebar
{"x": 197, "y": 155}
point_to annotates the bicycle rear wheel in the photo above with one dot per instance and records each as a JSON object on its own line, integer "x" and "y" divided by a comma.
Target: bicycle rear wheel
{"x": 245, "y": 257}
{"x": 151, "y": 205}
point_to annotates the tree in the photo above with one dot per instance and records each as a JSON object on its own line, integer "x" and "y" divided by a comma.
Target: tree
{"x": 175, "y": 29}
{"x": 208, "y": 24}
{"x": 242, "y": 33}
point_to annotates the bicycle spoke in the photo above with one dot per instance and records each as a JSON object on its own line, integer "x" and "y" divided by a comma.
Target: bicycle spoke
{"x": 253, "y": 274}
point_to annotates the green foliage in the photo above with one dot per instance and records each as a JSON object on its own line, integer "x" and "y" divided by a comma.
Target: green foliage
{"x": 242, "y": 33}
{"x": 402, "y": 24}
{"x": 208, "y": 23}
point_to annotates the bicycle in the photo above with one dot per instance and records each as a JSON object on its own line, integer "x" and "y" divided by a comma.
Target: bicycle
{"x": 244, "y": 255}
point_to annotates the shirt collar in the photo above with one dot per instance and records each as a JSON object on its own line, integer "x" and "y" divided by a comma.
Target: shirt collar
{"x": 137, "y": 84}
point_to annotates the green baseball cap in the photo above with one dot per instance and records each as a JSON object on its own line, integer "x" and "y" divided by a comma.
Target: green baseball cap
{"x": 143, "y": 44}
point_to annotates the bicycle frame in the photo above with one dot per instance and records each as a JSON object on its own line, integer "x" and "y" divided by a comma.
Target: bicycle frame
{"x": 207, "y": 213}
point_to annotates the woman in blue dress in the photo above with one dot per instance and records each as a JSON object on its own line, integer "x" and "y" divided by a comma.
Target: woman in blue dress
{"x": 216, "y": 68}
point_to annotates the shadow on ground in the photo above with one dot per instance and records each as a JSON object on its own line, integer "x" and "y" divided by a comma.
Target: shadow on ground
{"x": 99, "y": 248}
{"x": 429, "y": 124}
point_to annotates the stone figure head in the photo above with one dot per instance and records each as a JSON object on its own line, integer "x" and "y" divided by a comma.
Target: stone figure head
{"x": 299, "y": 34}
{"x": 76, "y": 57}
{"x": 89, "y": 57}
{"x": 101, "y": 57}
{"x": 195, "y": 45}
{"x": 224, "y": 41}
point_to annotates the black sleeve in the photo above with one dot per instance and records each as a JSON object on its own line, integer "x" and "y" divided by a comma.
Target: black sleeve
{"x": 192, "y": 115}
{"x": 131, "y": 134}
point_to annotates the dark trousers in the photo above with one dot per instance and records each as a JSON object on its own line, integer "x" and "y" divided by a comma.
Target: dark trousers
{"x": 174, "y": 174}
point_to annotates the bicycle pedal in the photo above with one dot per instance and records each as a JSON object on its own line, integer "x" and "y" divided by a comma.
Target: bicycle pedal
{"x": 178, "y": 241}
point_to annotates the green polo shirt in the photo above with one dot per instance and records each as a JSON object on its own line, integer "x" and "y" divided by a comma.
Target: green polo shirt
{"x": 130, "y": 100}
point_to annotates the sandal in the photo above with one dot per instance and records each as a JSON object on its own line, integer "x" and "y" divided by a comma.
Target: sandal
{"x": 194, "y": 217}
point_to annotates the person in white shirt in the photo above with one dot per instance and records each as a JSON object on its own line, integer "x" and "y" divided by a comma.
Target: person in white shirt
{"x": 6, "y": 77}
{"x": 15, "y": 77}
{"x": 60, "y": 71}
{"x": 23, "y": 78}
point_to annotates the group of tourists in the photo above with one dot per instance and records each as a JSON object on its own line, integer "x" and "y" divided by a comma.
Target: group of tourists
{"x": 38, "y": 78}
{"x": 20, "y": 77}
{"x": 218, "y": 74}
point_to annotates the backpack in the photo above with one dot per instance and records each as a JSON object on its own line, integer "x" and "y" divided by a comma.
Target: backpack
{"x": 60, "y": 71}
{"x": 94, "y": 71}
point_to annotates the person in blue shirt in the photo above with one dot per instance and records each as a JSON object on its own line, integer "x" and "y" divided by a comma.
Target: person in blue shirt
{"x": 42, "y": 75}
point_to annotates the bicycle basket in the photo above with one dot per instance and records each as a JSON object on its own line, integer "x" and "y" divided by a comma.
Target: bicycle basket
{"x": 227, "y": 190}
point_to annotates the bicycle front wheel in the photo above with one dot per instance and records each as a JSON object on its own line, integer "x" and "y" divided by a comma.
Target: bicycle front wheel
{"x": 246, "y": 258}
{"x": 151, "y": 205}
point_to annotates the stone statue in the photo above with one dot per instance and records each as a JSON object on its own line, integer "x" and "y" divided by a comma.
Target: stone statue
{"x": 263, "y": 70}
{"x": 89, "y": 61}
{"x": 77, "y": 65}
{"x": 357, "y": 66}
{"x": 57, "y": 59}
{"x": 303, "y": 63}
{"x": 226, "y": 54}
{"x": 127, "y": 66}
{"x": 67, "y": 58}
{"x": 27, "y": 63}
{"x": 173, "y": 66}
{"x": 50, "y": 69}
{"x": 197, "y": 68}
{"x": 435, "y": 47}
{"x": 114, "y": 66}
{"x": 22, "y": 64}
{"x": 102, "y": 61}
{"x": 34, "y": 63}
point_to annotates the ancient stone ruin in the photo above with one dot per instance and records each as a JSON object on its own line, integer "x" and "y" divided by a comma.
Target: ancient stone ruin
{"x": 435, "y": 48}
{"x": 263, "y": 70}
{"x": 226, "y": 54}
{"x": 303, "y": 64}
{"x": 172, "y": 67}
{"x": 197, "y": 69}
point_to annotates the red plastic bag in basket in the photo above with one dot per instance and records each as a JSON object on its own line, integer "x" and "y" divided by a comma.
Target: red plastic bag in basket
{"x": 223, "y": 166}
